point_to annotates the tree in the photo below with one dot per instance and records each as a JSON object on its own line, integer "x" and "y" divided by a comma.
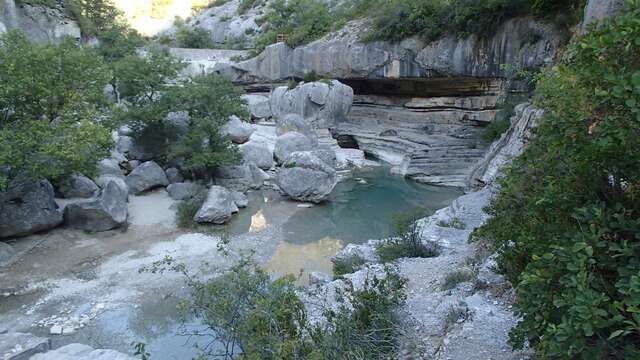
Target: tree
{"x": 49, "y": 102}
{"x": 43, "y": 81}
{"x": 567, "y": 220}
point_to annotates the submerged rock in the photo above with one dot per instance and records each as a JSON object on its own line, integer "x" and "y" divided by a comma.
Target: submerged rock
{"x": 217, "y": 208}
{"x": 237, "y": 130}
{"x": 241, "y": 200}
{"x": 79, "y": 186}
{"x": 289, "y": 143}
{"x": 145, "y": 177}
{"x": 28, "y": 208}
{"x": 81, "y": 352}
{"x": 305, "y": 177}
{"x": 107, "y": 212}
{"x": 17, "y": 346}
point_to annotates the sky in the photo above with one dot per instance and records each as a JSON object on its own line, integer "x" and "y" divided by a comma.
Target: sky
{"x": 152, "y": 16}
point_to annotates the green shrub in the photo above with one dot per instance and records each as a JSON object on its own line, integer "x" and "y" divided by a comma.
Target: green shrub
{"x": 407, "y": 242}
{"x": 566, "y": 221}
{"x": 193, "y": 37}
{"x": 255, "y": 317}
{"x": 347, "y": 265}
{"x": 187, "y": 209}
{"x": 455, "y": 278}
{"x": 454, "y": 223}
{"x": 51, "y": 99}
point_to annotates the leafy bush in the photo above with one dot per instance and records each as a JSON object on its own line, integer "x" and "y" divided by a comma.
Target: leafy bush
{"x": 187, "y": 210}
{"x": 407, "y": 242}
{"x": 455, "y": 278}
{"x": 50, "y": 99}
{"x": 347, "y": 265}
{"x": 566, "y": 221}
{"x": 454, "y": 223}
{"x": 194, "y": 38}
{"x": 254, "y": 317}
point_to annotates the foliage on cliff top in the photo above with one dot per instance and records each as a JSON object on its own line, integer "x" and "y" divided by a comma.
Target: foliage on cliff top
{"x": 567, "y": 220}
{"x": 303, "y": 21}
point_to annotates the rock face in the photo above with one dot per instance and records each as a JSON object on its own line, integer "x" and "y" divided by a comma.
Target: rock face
{"x": 227, "y": 27}
{"x": 258, "y": 154}
{"x": 323, "y": 104}
{"x": 107, "y": 212}
{"x": 434, "y": 140}
{"x": 289, "y": 143}
{"x": 305, "y": 177}
{"x": 183, "y": 191}
{"x": 27, "y": 209}
{"x": 509, "y": 146}
{"x": 79, "y": 186}
{"x": 258, "y": 106}
{"x": 217, "y": 208}
{"x": 598, "y": 10}
{"x": 81, "y": 352}
{"x": 145, "y": 177}
{"x": 341, "y": 55}
{"x": 237, "y": 130}
{"x": 6, "y": 253}
{"x": 40, "y": 23}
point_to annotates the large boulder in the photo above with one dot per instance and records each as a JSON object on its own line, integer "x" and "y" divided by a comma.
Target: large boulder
{"x": 326, "y": 154}
{"x": 126, "y": 145}
{"x": 289, "y": 143}
{"x": 183, "y": 191}
{"x": 21, "y": 346}
{"x": 258, "y": 106}
{"x": 305, "y": 177}
{"x": 258, "y": 154}
{"x": 324, "y": 104}
{"x": 217, "y": 208}
{"x": 237, "y": 130}
{"x": 79, "y": 186}
{"x": 145, "y": 177}
{"x": 240, "y": 178}
{"x": 28, "y": 208}
{"x": 107, "y": 212}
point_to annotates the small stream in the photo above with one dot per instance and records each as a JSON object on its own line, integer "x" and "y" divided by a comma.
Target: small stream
{"x": 287, "y": 237}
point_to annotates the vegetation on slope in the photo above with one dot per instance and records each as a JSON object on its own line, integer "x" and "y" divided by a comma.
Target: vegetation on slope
{"x": 567, "y": 220}
{"x": 250, "y": 316}
{"x": 303, "y": 21}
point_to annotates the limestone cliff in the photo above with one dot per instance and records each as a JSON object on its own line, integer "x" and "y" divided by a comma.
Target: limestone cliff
{"x": 41, "y": 24}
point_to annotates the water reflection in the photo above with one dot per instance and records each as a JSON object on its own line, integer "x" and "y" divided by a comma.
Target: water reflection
{"x": 302, "y": 259}
{"x": 363, "y": 208}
